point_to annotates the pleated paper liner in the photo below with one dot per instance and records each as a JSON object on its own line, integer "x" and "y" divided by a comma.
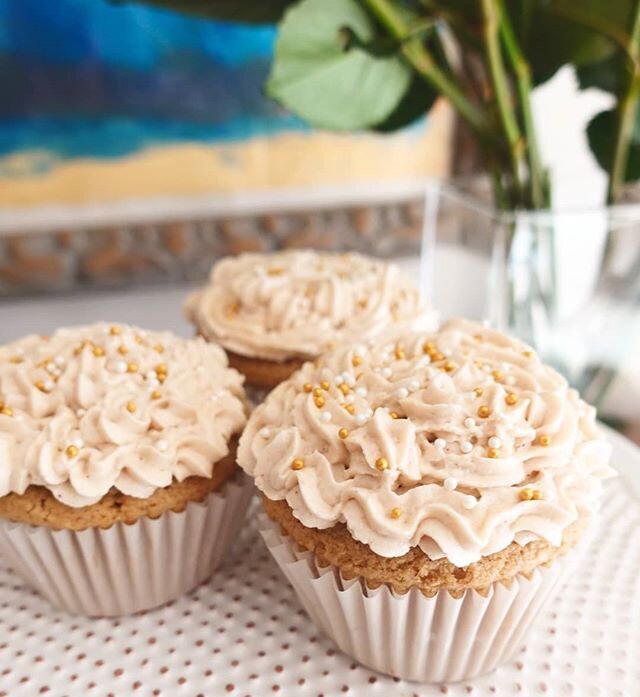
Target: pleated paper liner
{"x": 410, "y": 636}
{"x": 128, "y": 568}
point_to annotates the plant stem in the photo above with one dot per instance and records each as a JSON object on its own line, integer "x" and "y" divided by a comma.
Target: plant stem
{"x": 523, "y": 82}
{"x": 627, "y": 111}
{"x": 389, "y": 16}
{"x": 491, "y": 12}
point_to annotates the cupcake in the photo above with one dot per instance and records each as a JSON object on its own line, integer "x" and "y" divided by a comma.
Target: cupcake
{"x": 424, "y": 496}
{"x": 273, "y": 312}
{"x": 119, "y": 489}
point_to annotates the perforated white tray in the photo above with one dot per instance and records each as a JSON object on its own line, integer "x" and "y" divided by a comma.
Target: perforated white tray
{"x": 244, "y": 633}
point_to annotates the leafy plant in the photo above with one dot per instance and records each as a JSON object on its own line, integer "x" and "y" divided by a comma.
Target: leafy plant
{"x": 378, "y": 64}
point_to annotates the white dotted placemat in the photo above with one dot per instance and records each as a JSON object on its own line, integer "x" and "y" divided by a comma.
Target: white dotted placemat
{"x": 244, "y": 634}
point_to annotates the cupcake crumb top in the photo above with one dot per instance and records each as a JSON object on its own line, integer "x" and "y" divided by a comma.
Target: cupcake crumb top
{"x": 109, "y": 405}
{"x": 297, "y": 304}
{"x": 459, "y": 442}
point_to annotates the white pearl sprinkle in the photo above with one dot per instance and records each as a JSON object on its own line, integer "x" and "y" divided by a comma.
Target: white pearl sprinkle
{"x": 361, "y": 391}
{"x": 19, "y": 351}
{"x": 425, "y": 360}
{"x": 510, "y": 380}
{"x": 150, "y": 375}
{"x": 470, "y": 502}
{"x": 386, "y": 372}
{"x": 59, "y": 361}
{"x": 349, "y": 379}
{"x": 414, "y": 385}
{"x": 265, "y": 431}
{"x": 339, "y": 379}
{"x": 469, "y": 422}
{"x": 326, "y": 416}
{"x": 349, "y": 399}
{"x": 77, "y": 441}
{"x": 360, "y": 351}
{"x": 361, "y": 419}
{"x": 162, "y": 445}
{"x": 50, "y": 367}
{"x": 466, "y": 447}
{"x": 450, "y": 483}
{"x": 49, "y": 385}
{"x": 494, "y": 442}
{"x": 120, "y": 367}
{"x": 486, "y": 368}
{"x": 81, "y": 411}
{"x": 402, "y": 392}
{"x": 440, "y": 443}
{"x": 154, "y": 383}
{"x": 447, "y": 353}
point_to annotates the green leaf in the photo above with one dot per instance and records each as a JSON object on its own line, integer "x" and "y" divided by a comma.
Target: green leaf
{"x": 610, "y": 74}
{"x": 601, "y": 133}
{"x": 326, "y": 83}
{"x": 550, "y": 40}
{"x": 416, "y": 102}
{"x": 255, "y": 11}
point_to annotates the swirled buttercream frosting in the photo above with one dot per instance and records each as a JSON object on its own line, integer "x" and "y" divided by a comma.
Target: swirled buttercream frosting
{"x": 295, "y": 304}
{"x": 101, "y": 406}
{"x": 460, "y": 443}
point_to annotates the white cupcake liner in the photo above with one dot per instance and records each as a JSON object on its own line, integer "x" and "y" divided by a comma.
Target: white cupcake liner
{"x": 127, "y": 568}
{"x": 429, "y": 640}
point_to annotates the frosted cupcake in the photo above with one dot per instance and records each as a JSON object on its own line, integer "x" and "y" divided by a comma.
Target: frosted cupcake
{"x": 428, "y": 489}
{"x": 273, "y": 312}
{"x": 118, "y": 484}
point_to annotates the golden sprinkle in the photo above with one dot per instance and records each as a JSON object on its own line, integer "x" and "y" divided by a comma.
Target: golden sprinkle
{"x": 449, "y": 366}
{"x": 544, "y": 440}
{"x": 350, "y": 408}
{"x": 297, "y": 464}
{"x": 478, "y": 364}
{"x": 98, "y": 351}
{"x": 114, "y": 331}
{"x": 317, "y": 392}
{"x": 382, "y": 464}
{"x": 325, "y": 385}
{"x": 156, "y": 394}
{"x": 1, "y": 405}
{"x": 131, "y": 407}
{"x": 161, "y": 377}
{"x": 39, "y": 385}
{"x": 399, "y": 353}
{"x": 331, "y": 345}
{"x": 478, "y": 391}
{"x": 493, "y": 452}
{"x": 232, "y": 310}
{"x": 429, "y": 347}
{"x": 396, "y": 513}
{"x": 132, "y": 367}
{"x": 159, "y": 348}
{"x": 537, "y": 495}
{"x": 319, "y": 401}
{"x": 343, "y": 433}
{"x": 362, "y": 304}
{"x": 484, "y": 411}
{"x": 344, "y": 388}
{"x": 122, "y": 349}
{"x": 497, "y": 375}
{"x": 356, "y": 361}
{"x": 437, "y": 357}
{"x": 15, "y": 359}
{"x": 71, "y": 451}
{"x": 477, "y": 337}
{"x": 7, "y": 411}
{"x": 527, "y": 354}
{"x": 526, "y": 494}
{"x": 161, "y": 368}
{"x": 140, "y": 340}
{"x": 394, "y": 415}
{"x": 307, "y": 387}
{"x": 275, "y": 271}
{"x": 511, "y": 399}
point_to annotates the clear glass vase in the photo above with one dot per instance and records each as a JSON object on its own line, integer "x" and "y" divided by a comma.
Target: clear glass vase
{"x": 566, "y": 281}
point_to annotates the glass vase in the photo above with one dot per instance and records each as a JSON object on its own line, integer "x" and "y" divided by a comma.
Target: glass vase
{"x": 566, "y": 281}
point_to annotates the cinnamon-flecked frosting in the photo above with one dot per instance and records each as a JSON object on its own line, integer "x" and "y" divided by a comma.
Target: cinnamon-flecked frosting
{"x": 295, "y": 304}
{"x": 103, "y": 406}
{"x": 460, "y": 442}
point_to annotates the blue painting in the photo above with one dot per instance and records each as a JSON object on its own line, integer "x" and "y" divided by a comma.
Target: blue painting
{"x": 88, "y": 78}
